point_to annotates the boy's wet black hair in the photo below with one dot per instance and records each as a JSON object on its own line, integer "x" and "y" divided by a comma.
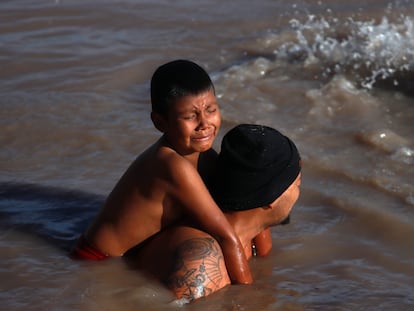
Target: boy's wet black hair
{"x": 177, "y": 79}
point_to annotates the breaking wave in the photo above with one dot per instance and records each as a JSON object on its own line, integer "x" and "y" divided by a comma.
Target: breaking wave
{"x": 374, "y": 53}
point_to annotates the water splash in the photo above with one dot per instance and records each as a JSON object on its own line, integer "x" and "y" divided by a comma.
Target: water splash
{"x": 369, "y": 50}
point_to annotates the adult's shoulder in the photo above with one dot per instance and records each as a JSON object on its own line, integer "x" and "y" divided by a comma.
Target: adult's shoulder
{"x": 198, "y": 266}
{"x": 187, "y": 260}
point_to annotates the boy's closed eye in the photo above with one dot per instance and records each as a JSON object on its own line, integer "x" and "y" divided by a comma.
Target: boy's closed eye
{"x": 191, "y": 116}
{"x": 212, "y": 109}
{"x": 187, "y": 114}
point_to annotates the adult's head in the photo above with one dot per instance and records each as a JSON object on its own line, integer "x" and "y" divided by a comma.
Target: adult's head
{"x": 256, "y": 165}
{"x": 175, "y": 80}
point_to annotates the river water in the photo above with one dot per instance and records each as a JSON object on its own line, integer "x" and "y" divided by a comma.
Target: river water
{"x": 335, "y": 76}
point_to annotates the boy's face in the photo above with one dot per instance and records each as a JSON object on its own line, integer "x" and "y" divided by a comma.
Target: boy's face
{"x": 193, "y": 123}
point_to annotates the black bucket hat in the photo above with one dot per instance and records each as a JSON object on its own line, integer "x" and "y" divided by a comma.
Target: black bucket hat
{"x": 255, "y": 166}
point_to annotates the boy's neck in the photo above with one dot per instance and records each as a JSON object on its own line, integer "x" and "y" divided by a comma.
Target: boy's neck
{"x": 192, "y": 157}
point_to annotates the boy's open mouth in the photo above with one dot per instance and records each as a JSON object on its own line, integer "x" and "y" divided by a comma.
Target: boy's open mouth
{"x": 203, "y": 137}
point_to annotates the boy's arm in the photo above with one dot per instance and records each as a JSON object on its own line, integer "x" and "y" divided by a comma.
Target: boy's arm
{"x": 263, "y": 243}
{"x": 189, "y": 189}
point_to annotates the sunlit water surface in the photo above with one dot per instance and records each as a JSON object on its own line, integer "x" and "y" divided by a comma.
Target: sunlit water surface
{"x": 335, "y": 76}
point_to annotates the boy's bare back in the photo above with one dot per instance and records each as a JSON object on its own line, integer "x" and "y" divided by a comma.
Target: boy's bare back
{"x": 141, "y": 202}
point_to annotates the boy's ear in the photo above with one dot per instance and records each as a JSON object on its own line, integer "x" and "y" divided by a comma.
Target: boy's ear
{"x": 158, "y": 121}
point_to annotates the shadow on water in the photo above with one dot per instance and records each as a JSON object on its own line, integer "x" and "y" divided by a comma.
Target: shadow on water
{"x": 54, "y": 214}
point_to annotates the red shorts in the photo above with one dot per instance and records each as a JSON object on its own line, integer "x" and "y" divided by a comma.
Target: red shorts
{"x": 83, "y": 250}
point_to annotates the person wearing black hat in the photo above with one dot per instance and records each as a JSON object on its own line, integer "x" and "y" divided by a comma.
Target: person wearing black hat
{"x": 255, "y": 166}
{"x": 256, "y": 183}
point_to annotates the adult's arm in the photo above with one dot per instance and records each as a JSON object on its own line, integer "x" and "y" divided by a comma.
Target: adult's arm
{"x": 263, "y": 243}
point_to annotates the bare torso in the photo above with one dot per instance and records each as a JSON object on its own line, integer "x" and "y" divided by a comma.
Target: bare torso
{"x": 149, "y": 196}
{"x": 138, "y": 207}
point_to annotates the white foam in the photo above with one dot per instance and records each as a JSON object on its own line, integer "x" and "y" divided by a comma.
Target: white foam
{"x": 371, "y": 50}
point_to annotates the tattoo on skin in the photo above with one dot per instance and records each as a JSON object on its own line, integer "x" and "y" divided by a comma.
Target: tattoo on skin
{"x": 198, "y": 268}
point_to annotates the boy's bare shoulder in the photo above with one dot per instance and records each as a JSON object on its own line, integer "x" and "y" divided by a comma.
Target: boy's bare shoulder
{"x": 161, "y": 163}
{"x": 159, "y": 156}
{"x": 173, "y": 162}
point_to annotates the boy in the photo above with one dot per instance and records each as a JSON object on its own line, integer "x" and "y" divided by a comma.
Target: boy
{"x": 163, "y": 185}
{"x": 257, "y": 183}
